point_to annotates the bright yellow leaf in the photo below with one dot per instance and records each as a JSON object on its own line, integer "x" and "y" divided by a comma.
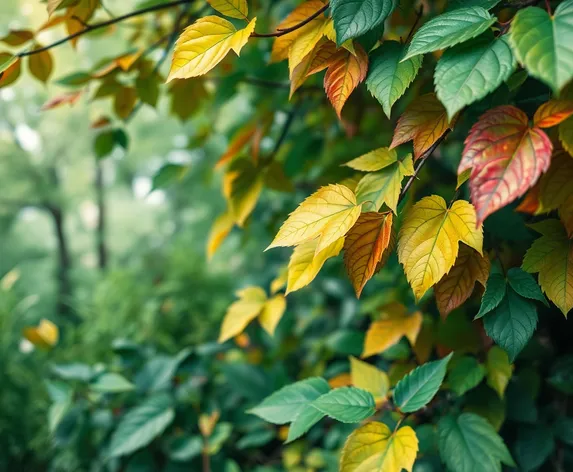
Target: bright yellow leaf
{"x": 369, "y": 378}
{"x": 305, "y": 263}
{"x": 375, "y": 448}
{"x": 272, "y": 313}
{"x": 204, "y": 44}
{"x": 305, "y": 43}
{"x": 394, "y": 322}
{"x": 219, "y": 231}
{"x": 233, "y": 8}
{"x": 43, "y": 336}
{"x": 328, "y": 214}
{"x": 374, "y": 160}
{"x": 428, "y": 241}
{"x": 242, "y": 312}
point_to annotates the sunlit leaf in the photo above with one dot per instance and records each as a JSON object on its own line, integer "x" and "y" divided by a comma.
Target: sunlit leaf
{"x": 233, "y": 8}
{"x": 305, "y": 42}
{"x": 43, "y": 336}
{"x": 369, "y": 378}
{"x": 346, "y": 404}
{"x": 552, "y": 113}
{"x": 250, "y": 304}
{"x": 219, "y": 232}
{"x": 242, "y": 187}
{"x": 272, "y": 313}
{"x": 499, "y": 370}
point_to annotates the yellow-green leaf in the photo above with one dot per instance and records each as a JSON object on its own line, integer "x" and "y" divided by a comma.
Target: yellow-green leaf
{"x": 375, "y": 448}
{"x": 219, "y": 231}
{"x": 369, "y": 378}
{"x": 242, "y": 186}
{"x": 499, "y": 369}
{"x": 305, "y": 43}
{"x": 305, "y": 263}
{"x": 328, "y": 214}
{"x": 204, "y": 44}
{"x": 43, "y": 336}
{"x": 272, "y": 313}
{"x": 233, "y": 8}
{"x": 250, "y": 304}
{"x": 428, "y": 241}
{"x": 374, "y": 160}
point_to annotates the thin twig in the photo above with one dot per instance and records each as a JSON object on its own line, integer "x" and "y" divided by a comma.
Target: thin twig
{"x": 548, "y": 6}
{"x": 283, "y": 31}
{"x": 103, "y": 24}
{"x": 418, "y": 16}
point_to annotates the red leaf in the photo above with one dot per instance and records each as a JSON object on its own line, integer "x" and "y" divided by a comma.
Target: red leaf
{"x": 506, "y": 156}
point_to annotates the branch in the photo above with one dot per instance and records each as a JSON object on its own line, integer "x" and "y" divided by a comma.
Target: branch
{"x": 418, "y": 16}
{"x": 103, "y": 24}
{"x": 282, "y": 32}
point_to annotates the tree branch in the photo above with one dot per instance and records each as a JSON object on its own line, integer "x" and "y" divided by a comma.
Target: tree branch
{"x": 282, "y": 32}
{"x": 103, "y": 24}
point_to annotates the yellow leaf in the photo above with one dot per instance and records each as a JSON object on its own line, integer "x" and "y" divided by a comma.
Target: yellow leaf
{"x": 305, "y": 263}
{"x": 305, "y": 43}
{"x": 204, "y": 44}
{"x": 344, "y": 74}
{"x": 428, "y": 241}
{"x": 283, "y": 43}
{"x": 219, "y": 231}
{"x": 328, "y": 214}
{"x": 280, "y": 280}
{"x": 43, "y": 336}
{"x": 499, "y": 370}
{"x": 374, "y": 160}
{"x": 369, "y": 378}
{"x": 242, "y": 186}
{"x": 458, "y": 284}
{"x": 365, "y": 246}
{"x": 318, "y": 59}
{"x": 330, "y": 33}
{"x": 394, "y": 323}
{"x": 374, "y": 448}
{"x": 463, "y": 177}
{"x": 233, "y": 8}
{"x": 53, "y": 5}
{"x": 272, "y": 313}
{"x": 41, "y": 66}
{"x": 242, "y": 312}
{"x": 384, "y": 186}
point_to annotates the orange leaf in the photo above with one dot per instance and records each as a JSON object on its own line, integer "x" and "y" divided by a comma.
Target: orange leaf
{"x": 365, "y": 246}
{"x": 458, "y": 284}
{"x": 343, "y": 75}
{"x": 66, "y": 98}
{"x": 507, "y": 157}
{"x": 530, "y": 204}
{"x": 238, "y": 142}
{"x": 552, "y": 113}
{"x": 12, "y": 72}
{"x": 423, "y": 122}
{"x": 318, "y": 59}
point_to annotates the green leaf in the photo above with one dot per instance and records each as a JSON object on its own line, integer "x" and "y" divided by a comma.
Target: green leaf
{"x": 111, "y": 383}
{"x": 487, "y": 4}
{"x": 561, "y": 375}
{"x": 168, "y": 175}
{"x": 512, "y": 323}
{"x": 449, "y": 29}
{"x": 525, "y": 285}
{"x": 417, "y": 388}
{"x": 285, "y": 404}
{"x": 104, "y": 144}
{"x": 542, "y": 43}
{"x": 388, "y": 78}
{"x": 142, "y": 425}
{"x": 499, "y": 370}
{"x": 305, "y": 420}
{"x": 6, "y": 60}
{"x": 468, "y": 72}
{"x": 353, "y": 18}
{"x": 76, "y": 79}
{"x": 256, "y": 438}
{"x": 563, "y": 429}
{"x": 468, "y": 443}
{"x": 494, "y": 293}
{"x": 369, "y": 39}
{"x": 185, "y": 448}
{"x": 347, "y": 404}
{"x": 466, "y": 373}
{"x": 533, "y": 446}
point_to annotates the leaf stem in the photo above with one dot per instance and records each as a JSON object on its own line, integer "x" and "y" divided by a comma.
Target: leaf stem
{"x": 283, "y": 31}
{"x": 418, "y": 16}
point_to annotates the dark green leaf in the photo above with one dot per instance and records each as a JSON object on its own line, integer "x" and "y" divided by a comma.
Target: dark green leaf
{"x": 494, "y": 293}
{"x": 525, "y": 285}
{"x": 533, "y": 447}
{"x": 353, "y": 18}
{"x": 465, "y": 374}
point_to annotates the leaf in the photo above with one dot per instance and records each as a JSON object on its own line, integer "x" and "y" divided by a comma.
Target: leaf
{"x": 533, "y": 446}
{"x": 285, "y": 404}
{"x": 317, "y": 60}
{"x": 384, "y": 186}
{"x": 59, "y": 100}
{"x": 450, "y": 28}
{"x": 494, "y": 293}
{"x": 374, "y": 448}
{"x": 418, "y": 387}
{"x": 354, "y": 18}
{"x": 542, "y": 42}
{"x": 369, "y": 378}
{"x": 458, "y": 284}
{"x": 374, "y": 160}
{"x": 141, "y": 425}
{"x": 524, "y": 284}
{"x": 552, "y": 113}
{"x": 343, "y": 75}
{"x": 428, "y": 241}
{"x": 233, "y": 8}
{"x": 552, "y": 256}
{"x": 125, "y": 101}
{"x": 554, "y": 187}
{"x": 44, "y": 336}
{"x": 346, "y": 404}
{"x": 282, "y": 44}
{"x": 237, "y": 143}
{"x": 466, "y": 373}
{"x": 499, "y": 370}
{"x": 424, "y": 122}
{"x": 305, "y": 42}
{"x": 204, "y": 44}
{"x": 395, "y": 322}
{"x": 365, "y": 246}
{"x": 389, "y": 78}
{"x": 54, "y": 5}
{"x": 167, "y": 175}
{"x": 17, "y": 37}
{"x": 272, "y": 313}
{"x": 111, "y": 383}
{"x": 512, "y": 323}
{"x": 219, "y": 232}
{"x": 10, "y": 68}
{"x": 305, "y": 263}
{"x": 468, "y": 443}
{"x": 242, "y": 312}
{"x": 468, "y": 72}
{"x": 507, "y": 157}
{"x": 242, "y": 187}
{"x": 305, "y": 420}
{"x": 328, "y": 214}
